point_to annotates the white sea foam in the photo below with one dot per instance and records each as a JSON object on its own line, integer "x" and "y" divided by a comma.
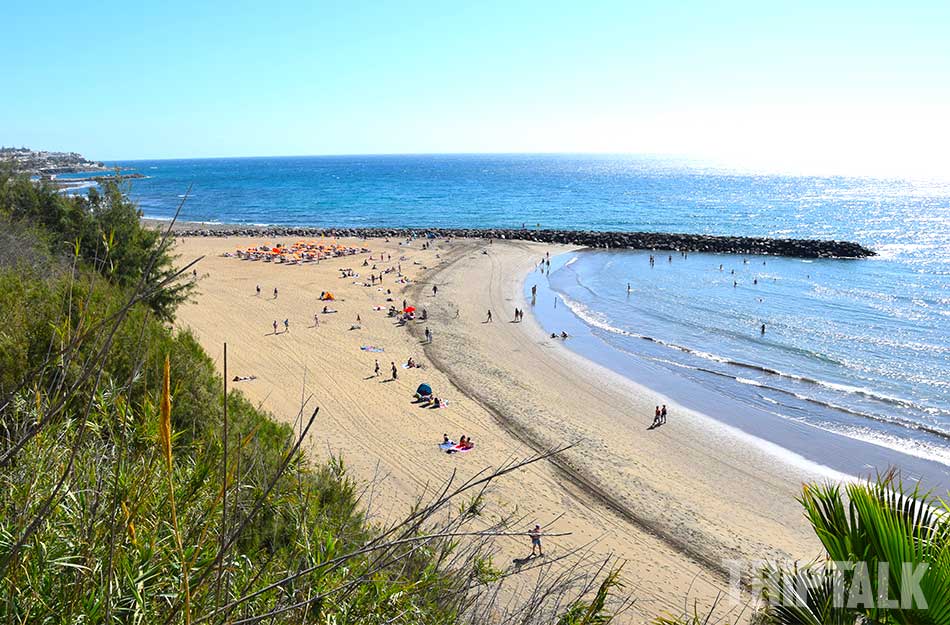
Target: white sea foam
{"x": 748, "y": 381}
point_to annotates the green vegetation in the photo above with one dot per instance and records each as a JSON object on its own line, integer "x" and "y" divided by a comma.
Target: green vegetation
{"x": 122, "y": 500}
{"x": 102, "y": 229}
{"x": 887, "y": 561}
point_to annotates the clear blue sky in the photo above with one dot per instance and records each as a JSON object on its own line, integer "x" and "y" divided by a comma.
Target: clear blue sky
{"x": 853, "y": 85}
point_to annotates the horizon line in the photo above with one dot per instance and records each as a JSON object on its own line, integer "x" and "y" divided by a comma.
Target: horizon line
{"x": 459, "y": 153}
{"x": 703, "y": 162}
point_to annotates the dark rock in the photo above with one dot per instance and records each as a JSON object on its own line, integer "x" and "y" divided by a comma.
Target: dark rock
{"x": 659, "y": 241}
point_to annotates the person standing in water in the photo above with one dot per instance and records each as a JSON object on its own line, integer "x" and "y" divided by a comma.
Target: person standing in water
{"x": 763, "y": 328}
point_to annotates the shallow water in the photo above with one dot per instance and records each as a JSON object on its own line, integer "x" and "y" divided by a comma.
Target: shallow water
{"x": 845, "y": 351}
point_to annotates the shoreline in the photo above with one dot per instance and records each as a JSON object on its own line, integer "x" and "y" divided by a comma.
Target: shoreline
{"x": 680, "y": 502}
{"x": 816, "y": 449}
{"x": 660, "y": 241}
{"x": 587, "y": 486}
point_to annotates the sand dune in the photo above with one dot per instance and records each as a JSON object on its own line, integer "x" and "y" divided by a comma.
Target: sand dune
{"x": 675, "y": 503}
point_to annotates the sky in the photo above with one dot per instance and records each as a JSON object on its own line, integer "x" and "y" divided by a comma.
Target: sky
{"x": 817, "y": 87}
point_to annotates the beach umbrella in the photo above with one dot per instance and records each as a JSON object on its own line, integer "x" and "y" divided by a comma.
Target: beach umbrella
{"x": 424, "y": 389}
{"x": 410, "y": 309}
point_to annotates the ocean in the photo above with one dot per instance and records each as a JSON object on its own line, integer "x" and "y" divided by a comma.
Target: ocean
{"x": 855, "y": 354}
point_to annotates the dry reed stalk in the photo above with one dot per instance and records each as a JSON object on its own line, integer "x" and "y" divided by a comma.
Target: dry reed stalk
{"x": 165, "y": 439}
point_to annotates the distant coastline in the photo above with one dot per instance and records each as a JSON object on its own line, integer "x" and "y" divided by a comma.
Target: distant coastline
{"x": 47, "y": 164}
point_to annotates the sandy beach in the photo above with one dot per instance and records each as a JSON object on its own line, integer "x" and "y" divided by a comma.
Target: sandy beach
{"x": 675, "y": 503}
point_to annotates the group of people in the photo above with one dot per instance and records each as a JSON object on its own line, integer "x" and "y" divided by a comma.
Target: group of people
{"x": 429, "y": 401}
{"x": 258, "y": 289}
{"x": 395, "y": 373}
{"x": 660, "y": 417}
{"x": 465, "y": 443}
{"x": 298, "y": 253}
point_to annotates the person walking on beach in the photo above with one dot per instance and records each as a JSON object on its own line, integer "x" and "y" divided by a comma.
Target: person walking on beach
{"x": 316, "y": 320}
{"x": 428, "y": 335}
{"x": 435, "y": 290}
{"x": 258, "y": 290}
{"x": 286, "y": 325}
{"x": 376, "y": 369}
{"x": 656, "y": 419}
{"x": 535, "y": 535}
{"x": 489, "y": 317}
{"x": 275, "y": 326}
{"x": 395, "y": 375}
{"x": 275, "y": 292}
{"x": 663, "y": 415}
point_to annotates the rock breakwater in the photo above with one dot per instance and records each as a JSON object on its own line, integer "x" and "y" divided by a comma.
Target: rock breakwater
{"x": 660, "y": 241}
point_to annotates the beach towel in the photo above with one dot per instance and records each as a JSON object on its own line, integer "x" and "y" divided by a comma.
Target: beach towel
{"x": 458, "y": 450}
{"x": 447, "y": 446}
{"x": 372, "y": 348}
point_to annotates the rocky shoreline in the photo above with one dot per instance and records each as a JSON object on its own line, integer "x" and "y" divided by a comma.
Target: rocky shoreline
{"x": 799, "y": 248}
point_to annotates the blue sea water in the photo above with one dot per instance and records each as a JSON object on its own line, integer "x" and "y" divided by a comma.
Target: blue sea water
{"x": 858, "y": 348}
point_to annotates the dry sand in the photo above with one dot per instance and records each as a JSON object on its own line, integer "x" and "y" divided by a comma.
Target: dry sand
{"x": 675, "y": 503}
